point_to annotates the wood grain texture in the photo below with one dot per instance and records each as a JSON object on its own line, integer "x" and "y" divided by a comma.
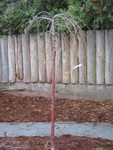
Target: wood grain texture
{"x": 11, "y": 58}
{"x": 65, "y": 58}
{"x": 26, "y": 58}
{"x": 109, "y": 56}
{"x": 82, "y": 58}
{"x": 91, "y": 57}
{"x": 18, "y": 57}
{"x": 4, "y": 55}
{"x": 100, "y": 51}
{"x": 41, "y": 58}
{"x": 34, "y": 58}
{"x": 58, "y": 63}
{"x": 73, "y": 58}
{"x": 48, "y": 50}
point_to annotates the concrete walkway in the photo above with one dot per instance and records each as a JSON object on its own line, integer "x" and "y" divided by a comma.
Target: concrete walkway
{"x": 104, "y": 131}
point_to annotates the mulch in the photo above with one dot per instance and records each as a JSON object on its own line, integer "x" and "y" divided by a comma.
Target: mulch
{"x": 38, "y": 109}
{"x": 65, "y": 142}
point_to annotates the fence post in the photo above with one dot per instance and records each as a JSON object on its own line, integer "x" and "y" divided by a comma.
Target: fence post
{"x": 4, "y": 55}
{"x": 34, "y": 58}
{"x": 73, "y": 58}
{"x": 65, "y": 58}
{"x": 41, "y": 58}
{"x": 58, "y": 63}
{"x": 100, "y": 45}
{"x": 18, "y": 57}
{"x": 48, "y": 50}
{"x": 82, "y": 57}
{"x": 11, "y": 58}
{"x": 91, "y": 57}
{"x": 109, "y": 56}
{"x": 26, "y": 58}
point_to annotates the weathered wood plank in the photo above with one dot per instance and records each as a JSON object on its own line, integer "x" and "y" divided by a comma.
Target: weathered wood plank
{"x": 41, "y": 58}
{"x": 26, "y": 58}
{"x": 73, "y": 58}
{"x": 18, "y": 57}
{"x": 58, "y": 60}
{"x": 34, "y": 58}
{"x": 4, "y": 55}
{"x": 65, "y": 58}
{"x": 11, "y": 58}
{"x": 109, "y": 56}
{"x": 48, "y": 50}
{"x": 100, "y": 45}
{"x": 91, "y": 57}
{"x": 82, "y": 57}
{"x": 0, "y": 63}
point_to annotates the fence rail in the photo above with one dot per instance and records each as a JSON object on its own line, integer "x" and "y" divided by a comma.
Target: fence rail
{"x": 28, "y": 58}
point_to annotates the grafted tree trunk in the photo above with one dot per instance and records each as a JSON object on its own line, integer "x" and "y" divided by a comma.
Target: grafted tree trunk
{"x": 53, "y": 87}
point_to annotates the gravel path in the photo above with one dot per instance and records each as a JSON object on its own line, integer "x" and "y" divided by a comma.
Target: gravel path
{"x": 100, "y": 130}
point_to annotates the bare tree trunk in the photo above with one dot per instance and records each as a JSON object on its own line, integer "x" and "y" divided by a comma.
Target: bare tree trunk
{"x": 53, "y": 87}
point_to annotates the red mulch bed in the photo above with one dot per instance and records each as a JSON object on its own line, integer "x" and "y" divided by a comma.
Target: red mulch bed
{"x": 65, "y": 142}
{"x": 38, "y": 109}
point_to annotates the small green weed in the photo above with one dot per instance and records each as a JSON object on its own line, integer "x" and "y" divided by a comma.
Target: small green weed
{"x": 35, "y": 143}
{"x": 101, "y": 148}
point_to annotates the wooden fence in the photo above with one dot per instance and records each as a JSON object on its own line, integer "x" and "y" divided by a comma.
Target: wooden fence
{"x": 29, "y": 58}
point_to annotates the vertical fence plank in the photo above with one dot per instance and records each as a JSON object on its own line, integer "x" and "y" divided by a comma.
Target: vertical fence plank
{"x": 26, "y": 58}
{"x": 109, "y": 56}
{"x": 100, "y": 44}
{"x": 0, "y": 63}
{"x": 4, "y": 55}
{"x": 91, "y": 57}
{"x": 41, "y": 58}
{"x": 18, "y": 57}
{"x": 65, "y": 58}
{"x": 82, "y": 57}
{"x": 48, "y": 50}
{"x": 73, "y": 58}
{"x": 34, "y": 58}
{"x": 58, "y": 63}
{"x": 11, "y": 58}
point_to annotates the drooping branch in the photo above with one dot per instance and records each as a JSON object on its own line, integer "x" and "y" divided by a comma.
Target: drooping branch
{"x": 54, "y": 22}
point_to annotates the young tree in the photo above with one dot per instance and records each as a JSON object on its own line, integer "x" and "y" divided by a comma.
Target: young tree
{"x": 55, "y": 23}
